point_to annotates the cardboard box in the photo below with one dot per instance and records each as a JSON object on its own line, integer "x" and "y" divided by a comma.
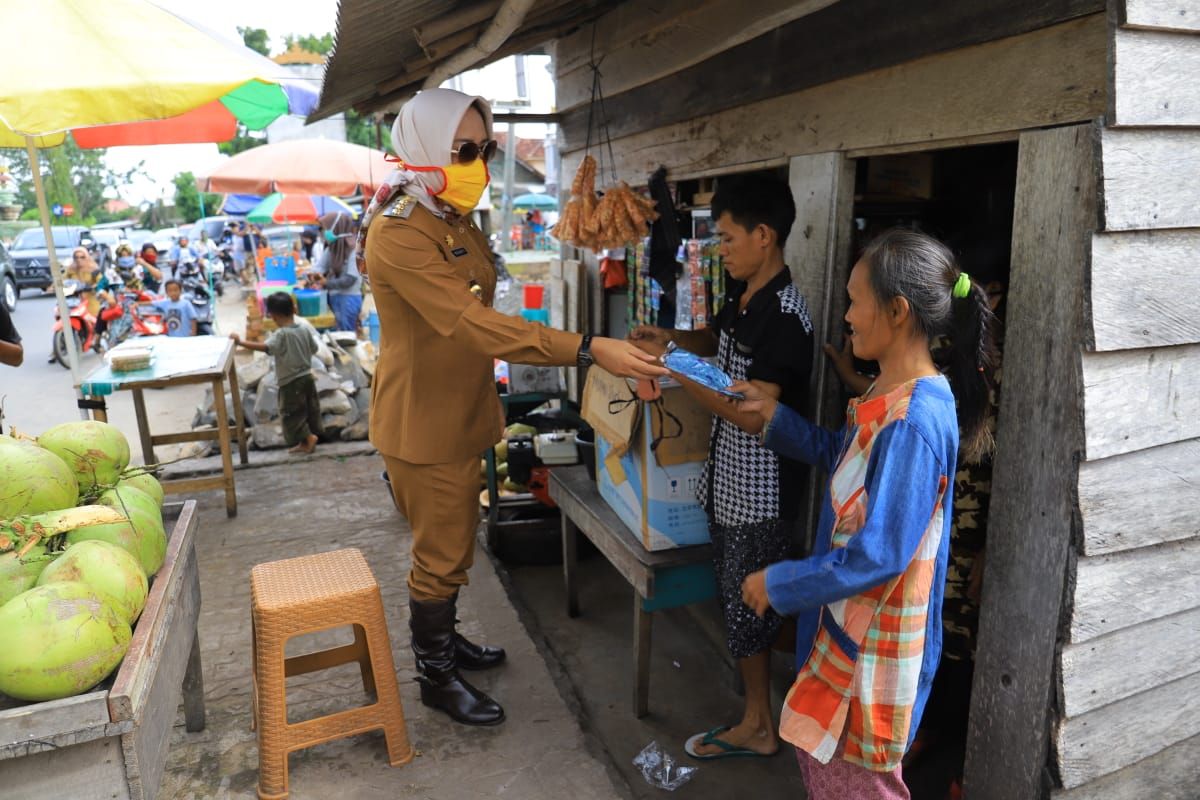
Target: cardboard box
{"x": 651, "y": 488}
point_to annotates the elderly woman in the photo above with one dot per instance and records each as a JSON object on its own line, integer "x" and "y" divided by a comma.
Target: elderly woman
{"x": 434, "y": 407}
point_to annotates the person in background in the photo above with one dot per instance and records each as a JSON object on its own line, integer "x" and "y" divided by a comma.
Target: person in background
{"x": 206, "y": 246}
{"x": 126, "y": 265}
{"x": 434, "y": 406}
{"x": 237, "y": 248}
{"x": 147, "y": 263}
{"x": 292, "y": 347}
{"x": 751, "y": 495}
{"x": 868, "y": 601}
{"x": 311, "y": 245}
{"x": 178, "y": 314}
{"x": 182, "y": 250}
{"x": 11, "y": 351}
{"x": 338, "y": 270}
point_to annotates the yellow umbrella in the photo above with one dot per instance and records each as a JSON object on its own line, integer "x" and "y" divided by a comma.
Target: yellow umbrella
{"x": 112, "y": 62}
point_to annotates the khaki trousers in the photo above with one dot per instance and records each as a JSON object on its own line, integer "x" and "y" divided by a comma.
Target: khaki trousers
{"x": 441, "y": 503}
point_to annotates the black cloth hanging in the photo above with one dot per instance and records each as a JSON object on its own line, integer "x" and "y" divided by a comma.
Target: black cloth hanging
{"x": 664, "y": 246}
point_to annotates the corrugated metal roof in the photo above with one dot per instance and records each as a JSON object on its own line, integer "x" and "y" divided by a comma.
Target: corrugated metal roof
{"x": 384, "y": 49}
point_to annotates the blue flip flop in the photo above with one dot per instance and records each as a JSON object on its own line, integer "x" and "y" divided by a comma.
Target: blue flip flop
{"x": 727, "y": 750}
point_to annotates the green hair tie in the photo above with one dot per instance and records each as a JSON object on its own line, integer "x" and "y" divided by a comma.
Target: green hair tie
{"x": 962, "y": 286}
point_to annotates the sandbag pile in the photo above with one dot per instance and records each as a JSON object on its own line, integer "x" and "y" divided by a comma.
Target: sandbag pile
{"x": 342, "y": 367}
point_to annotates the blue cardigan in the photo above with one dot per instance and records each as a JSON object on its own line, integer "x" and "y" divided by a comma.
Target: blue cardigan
{"x": 907, "y": 460}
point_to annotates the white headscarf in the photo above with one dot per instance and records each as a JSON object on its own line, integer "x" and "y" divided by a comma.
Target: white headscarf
{"x": 422, "y": 135}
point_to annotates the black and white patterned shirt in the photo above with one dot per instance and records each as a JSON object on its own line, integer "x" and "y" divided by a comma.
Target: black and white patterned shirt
{"x": 770, "y": 340}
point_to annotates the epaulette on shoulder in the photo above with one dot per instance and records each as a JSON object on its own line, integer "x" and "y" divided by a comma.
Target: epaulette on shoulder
{"x": 402, "y": 207}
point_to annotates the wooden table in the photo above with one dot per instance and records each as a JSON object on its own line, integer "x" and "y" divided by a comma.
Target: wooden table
{"x": 662, "y": 579}
{"x": 227, "y": 431}
{"x": 112, "y": 742}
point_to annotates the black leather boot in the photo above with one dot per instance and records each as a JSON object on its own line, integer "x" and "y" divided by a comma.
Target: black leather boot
{"x": 476, "y": 656}
{"x": 442, "y": 687}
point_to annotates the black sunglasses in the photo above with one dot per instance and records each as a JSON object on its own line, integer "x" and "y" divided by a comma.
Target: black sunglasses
{"x": 469, "y": 151}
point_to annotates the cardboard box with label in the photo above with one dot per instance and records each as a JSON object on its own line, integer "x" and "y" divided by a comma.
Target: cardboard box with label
{"x": 649, "y": 458}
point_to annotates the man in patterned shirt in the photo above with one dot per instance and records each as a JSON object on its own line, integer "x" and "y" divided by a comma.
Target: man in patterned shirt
{"x": 763, "y": 334}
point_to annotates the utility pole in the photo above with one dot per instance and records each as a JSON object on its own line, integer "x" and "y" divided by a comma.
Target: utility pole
{"x": 510, "y": 175}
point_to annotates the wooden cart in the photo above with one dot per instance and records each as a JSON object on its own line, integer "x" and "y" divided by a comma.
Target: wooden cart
{"x": 112, "y": 742}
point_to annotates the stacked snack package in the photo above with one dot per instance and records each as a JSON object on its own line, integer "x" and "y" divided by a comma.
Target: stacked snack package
{"x": 698, "y": 293}
{"x": 714, "y": 275}
{"x": 683, "y": 290}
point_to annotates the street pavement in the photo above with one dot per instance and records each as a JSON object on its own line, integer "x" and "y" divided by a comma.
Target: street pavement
{"x": 540, "y": 753}
{"x": 38, "y": 394}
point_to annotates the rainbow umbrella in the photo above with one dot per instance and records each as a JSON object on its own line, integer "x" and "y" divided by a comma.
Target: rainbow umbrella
{"x": 123, "y": 63}
{"x": 100, "y": 89}
{"x": 280, "y": 208}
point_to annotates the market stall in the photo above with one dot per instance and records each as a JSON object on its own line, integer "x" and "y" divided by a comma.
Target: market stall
{"x": 1057, "y": 127}
{"x": 164, "y": 362}
{"x": 113, "y": 740}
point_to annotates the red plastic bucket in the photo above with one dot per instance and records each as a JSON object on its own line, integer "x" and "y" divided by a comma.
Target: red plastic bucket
{"x": 534, "y": 294}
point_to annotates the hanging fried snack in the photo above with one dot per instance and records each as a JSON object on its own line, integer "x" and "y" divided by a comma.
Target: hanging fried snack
{"x": 589, "y": 218}
{"x": 577, "y": 185}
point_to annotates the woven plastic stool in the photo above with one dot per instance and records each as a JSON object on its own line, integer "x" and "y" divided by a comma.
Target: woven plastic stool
{"x": 305, "y": 595}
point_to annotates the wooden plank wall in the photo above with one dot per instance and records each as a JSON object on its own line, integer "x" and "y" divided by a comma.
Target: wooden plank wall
{"x": 1037, "y": 448}
{"x": 1129, "y": 668}
{"x": 1053, "y": 76}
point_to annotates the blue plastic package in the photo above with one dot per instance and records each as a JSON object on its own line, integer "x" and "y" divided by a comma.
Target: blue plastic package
{"x": 695, "y": 368}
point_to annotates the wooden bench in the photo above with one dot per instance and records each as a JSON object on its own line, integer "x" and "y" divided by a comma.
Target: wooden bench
{"x": 663, "y": 579}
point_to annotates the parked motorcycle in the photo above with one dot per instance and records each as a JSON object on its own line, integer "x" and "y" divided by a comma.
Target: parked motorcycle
{"x": 193, "y": 280}
{"x": 83, "y": 325}
{"x": 134, "y": 319}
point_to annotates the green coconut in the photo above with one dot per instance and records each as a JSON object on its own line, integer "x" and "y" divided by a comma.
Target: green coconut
{"x": 109, "y": 569}
{"x": 95, "y": 451}
{"x": 20, "y": 573}
{"x": 142, "y": 535}
{"x": 144, "y": 482}
{"x": 58, "y": 640}
{"x": 33, "y": 480}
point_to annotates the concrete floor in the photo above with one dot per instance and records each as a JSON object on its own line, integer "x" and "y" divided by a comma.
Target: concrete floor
{"x": 692, "y": 685}
{"x": 306, "y": 507}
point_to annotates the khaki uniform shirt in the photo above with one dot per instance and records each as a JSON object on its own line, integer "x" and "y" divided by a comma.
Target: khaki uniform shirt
{"x": 434, "y": 397}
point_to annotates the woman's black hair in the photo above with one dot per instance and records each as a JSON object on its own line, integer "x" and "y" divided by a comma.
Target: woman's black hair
{"x": 922, "y": 270}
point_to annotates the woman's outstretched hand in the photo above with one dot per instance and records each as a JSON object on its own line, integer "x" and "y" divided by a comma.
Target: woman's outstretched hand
{"x": 625, "y": 359}
{"x": 754, "y": 592}
{"x": 755, "y": 400}
{"x": 650, "y": 339}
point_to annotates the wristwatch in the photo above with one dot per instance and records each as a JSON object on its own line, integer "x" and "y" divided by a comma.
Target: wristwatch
{"x": 584, "y": 357}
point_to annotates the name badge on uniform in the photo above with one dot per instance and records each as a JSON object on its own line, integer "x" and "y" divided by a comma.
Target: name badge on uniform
{"x": 459, "y": 252}
{"x": 402, "y": 207}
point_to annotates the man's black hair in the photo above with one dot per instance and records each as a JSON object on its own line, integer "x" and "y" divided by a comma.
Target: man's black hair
{"x": 754, "y": 200}
{"x": 172, "y": 281}
{"x": 280, "y": 303}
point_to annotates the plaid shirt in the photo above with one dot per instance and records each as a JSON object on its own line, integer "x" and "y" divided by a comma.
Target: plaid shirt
{"x": 868, "y": 601}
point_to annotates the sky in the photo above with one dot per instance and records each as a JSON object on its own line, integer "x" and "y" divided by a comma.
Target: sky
{"x": 281, "y": 17}
{"x": 278, "y": 18}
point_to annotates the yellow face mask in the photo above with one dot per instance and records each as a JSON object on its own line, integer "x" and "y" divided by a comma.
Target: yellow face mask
{"x": 464, "y": 184}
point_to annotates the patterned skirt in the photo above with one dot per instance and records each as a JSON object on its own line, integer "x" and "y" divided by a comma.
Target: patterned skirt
{"x": 739, "y": 550}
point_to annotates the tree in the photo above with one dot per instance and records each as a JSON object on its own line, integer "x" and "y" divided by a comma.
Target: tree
{"x": 243, "y": 140}
{"x": 72, "y": 176}
{"x": 321, "y": 45}
{"x": 362, "y": 130}
{"x": 256, "y": 39}
{"x": 187, "y": 198}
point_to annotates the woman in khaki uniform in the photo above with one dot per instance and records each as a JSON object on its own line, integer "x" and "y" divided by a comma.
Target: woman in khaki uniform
{"x": 434, "y": 407}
